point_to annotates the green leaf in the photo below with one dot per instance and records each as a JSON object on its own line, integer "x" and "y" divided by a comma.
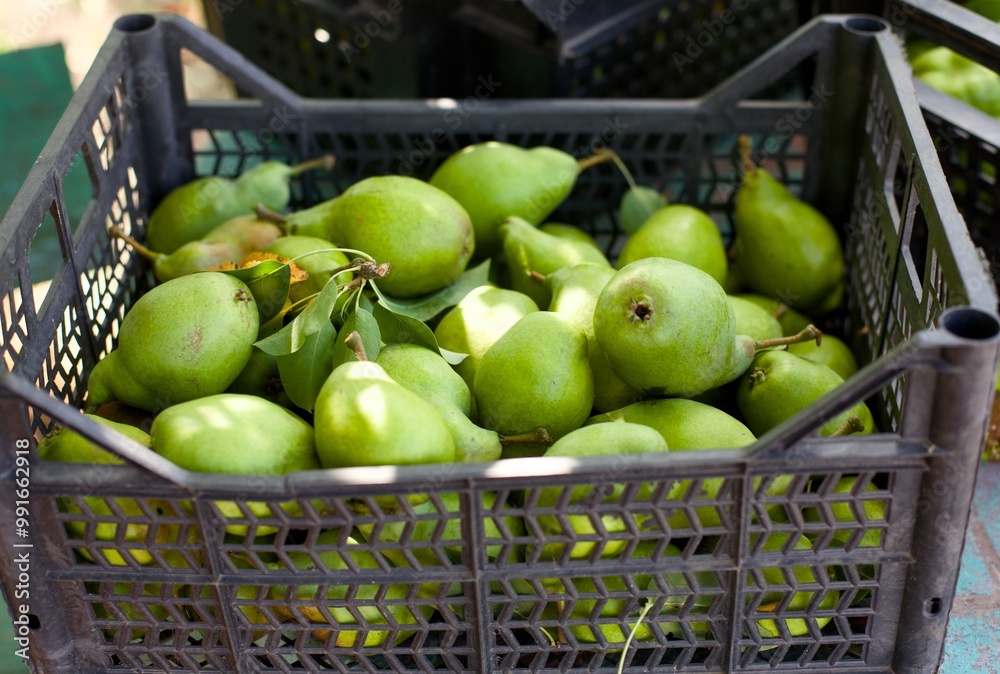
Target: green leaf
{"x": 428, "y": 306}
{"x": 365, "y": 325}
{"x": 402, "y": 329}
{"x": 304, "y": 372}
{"x": 268, "y": 281}
{"x": 312, "y": 319}
{"x": 453, "y": 357}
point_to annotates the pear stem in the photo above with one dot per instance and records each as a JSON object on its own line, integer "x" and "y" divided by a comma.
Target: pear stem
{"x": 745, "y": 145}
{"x": 851, "y": 426}
{"x": 631, "y": 634}
{"x": 354, "y": 342}
{"x": 264, "y": 213}
{"x": 535, "y": 276}
{"x": 350, "y": 266}
{"x": 139, "y": 248}
{"x": 327, "y": 162}
{"x": 808, "y": 334}
{"x": 370, "y": 270}
{"x": 780, "y": 311}
{"x": 599, "y": 157}
{"x": 620, "y": 163}
{"x": 538, "y": 436}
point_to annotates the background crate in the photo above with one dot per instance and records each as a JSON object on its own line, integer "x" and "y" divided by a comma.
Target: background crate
{"x": 967, "y": 140}
{"x": 531, "y": 48}
{"x": 642, "y": 49}
{"x": 346, "y": 48}
{"x": 482, "y": 595}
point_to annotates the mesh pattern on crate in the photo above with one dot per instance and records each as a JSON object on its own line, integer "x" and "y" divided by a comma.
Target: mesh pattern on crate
{"x": 105, "y": 281}
{"x": 397, "y": 534}
{"x": 280, "y": 37}
{"x": 681, "y": 51}
{"x": 815, "y": 550}
{"x": 970, "y": 164}
{"x": 125, "y": 531}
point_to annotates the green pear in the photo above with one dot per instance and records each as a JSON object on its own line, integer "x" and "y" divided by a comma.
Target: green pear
{"x": 67, "y": 446}
{"x": 684, "y": 424}
{"x": 771, "y": 602}
{"x": 831, "y": 352}
{"x": 575, "y": 290}
{"x": 844, "y": 511}
{"x": 319, "y": 265}
{"x": 239, "y": 435}
{"x": 753, "y": 320}
{"x": 496, "y": 180}
{"x": 658, "y": 311}
{"x": 191, "y": 211}
{"x": 688, "y": 425}
{"x": 428, "y": 375}
{"x": 344, "y": 603}
{"x": 668, "y": 329}
{"x": 184, "y": 339}
{"x": 637, "y": 205}
{"x": 682, "y": 233}
{"x": 791, "y": 321}
{"x": 121, "y": 608}
{"x": 537, "y": 375}
{"x": 421, "y": 231}
{"x": 247, "y": 599}
{"x": 611, "y": 609}
{"x": 63, "y": 444}
{"x": 530, "y": 251}
{"x": 779, "y": 384}
{"x": 478, "y": 321}
{"x": 568, "y": 232}
{"x": 960, "y": 77}
{"x": 364, "y": 418}
{"x": 430, "y": 526}
{"x": 785, "y": 248}
{"x": 696, "y": 599}
{"x": 230, "y": 242}
{"x": 425, "y": 373}
{"x": 618, "y": 439}
{"x": 312, "y": 222}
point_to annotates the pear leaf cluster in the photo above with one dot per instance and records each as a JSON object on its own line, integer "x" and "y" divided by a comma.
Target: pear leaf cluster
{"x": 303, "y": 371}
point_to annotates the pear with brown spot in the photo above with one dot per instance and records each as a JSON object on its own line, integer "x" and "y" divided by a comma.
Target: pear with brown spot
{"x": 187, "y": 338}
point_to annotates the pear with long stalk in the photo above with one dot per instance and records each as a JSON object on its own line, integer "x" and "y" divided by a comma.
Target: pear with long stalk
{"x": 192, "y": 210}
{"x": 494, "y": 181}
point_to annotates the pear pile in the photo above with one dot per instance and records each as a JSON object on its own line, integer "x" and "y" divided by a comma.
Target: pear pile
{"x": 409, "y": 322}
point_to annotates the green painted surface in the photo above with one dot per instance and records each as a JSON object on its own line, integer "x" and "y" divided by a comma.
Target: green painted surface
{"x": 34, "y": 91}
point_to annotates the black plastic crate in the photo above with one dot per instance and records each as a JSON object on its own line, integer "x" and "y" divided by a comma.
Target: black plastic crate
{"x": 528, "y": 48}
{"x": 637, "y": 49}
{"x": 967, "y": 140}
{"x": 346, "y": 48}
{"x": 479, "y": 597}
